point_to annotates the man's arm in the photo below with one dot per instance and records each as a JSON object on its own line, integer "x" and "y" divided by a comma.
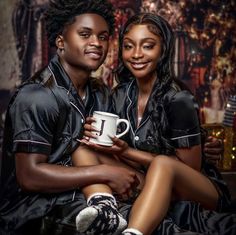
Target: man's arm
{"x": 36, "y": 175}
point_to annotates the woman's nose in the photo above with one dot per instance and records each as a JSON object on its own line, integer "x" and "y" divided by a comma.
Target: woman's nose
{"x": 137, "y": 53}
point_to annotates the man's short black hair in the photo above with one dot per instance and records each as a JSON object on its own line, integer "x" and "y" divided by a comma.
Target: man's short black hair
{"x": 63, "y": 12}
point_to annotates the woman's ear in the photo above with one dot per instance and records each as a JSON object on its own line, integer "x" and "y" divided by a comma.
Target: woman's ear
{"x": 60, "y": 42}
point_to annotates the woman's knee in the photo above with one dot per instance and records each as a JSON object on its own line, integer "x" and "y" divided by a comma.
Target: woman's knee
{"x": 163, "y": 163}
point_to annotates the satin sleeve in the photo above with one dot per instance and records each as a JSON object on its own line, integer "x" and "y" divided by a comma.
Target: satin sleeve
{"x": 183, "y": 121}
{"x": 33, "y": 115}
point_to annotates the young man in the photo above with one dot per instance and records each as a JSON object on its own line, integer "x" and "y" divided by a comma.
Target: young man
{"x": 45, "y": 119}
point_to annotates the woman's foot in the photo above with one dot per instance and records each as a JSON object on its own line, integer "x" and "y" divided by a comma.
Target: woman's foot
{"x": 131, "y": 231}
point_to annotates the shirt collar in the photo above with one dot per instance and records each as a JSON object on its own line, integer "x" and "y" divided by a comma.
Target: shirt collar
{"x": 64, "y": 81}
{"x": 60, "y": 74}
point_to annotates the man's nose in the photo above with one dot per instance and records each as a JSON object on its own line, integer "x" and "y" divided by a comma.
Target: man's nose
{"x": 94, "y": 41}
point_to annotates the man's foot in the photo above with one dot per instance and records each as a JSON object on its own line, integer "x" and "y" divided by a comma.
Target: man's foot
{"x": 100, "y": 217}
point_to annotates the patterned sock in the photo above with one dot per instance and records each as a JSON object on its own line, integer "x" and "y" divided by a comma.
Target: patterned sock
{"x": 131, "y": 231}
{"x": 101, "y": 216}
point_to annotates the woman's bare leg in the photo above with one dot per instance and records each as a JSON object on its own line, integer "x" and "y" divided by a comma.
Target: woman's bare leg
{"x": 84, "y": 156}
{"x": 167, "y": 176}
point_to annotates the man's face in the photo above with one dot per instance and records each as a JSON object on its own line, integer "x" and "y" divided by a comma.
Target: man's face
{"x": 85, "y": 42}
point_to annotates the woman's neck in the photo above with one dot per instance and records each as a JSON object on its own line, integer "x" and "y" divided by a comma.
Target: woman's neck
{"x": 145, "y": 86}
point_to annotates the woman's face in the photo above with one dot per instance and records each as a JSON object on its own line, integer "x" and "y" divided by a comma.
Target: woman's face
{"x": 141, "y": 51}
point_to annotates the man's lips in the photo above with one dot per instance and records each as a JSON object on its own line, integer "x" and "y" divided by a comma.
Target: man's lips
{"x": 94, "y": 54}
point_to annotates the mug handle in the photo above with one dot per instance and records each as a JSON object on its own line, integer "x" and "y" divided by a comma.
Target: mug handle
{"x": 127, "y": 127}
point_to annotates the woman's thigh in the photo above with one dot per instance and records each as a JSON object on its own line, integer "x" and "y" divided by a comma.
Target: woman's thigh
{"x": 188, "y": 184}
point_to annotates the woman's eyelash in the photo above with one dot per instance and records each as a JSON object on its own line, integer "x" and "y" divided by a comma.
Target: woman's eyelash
{"x": 127, "y": 46}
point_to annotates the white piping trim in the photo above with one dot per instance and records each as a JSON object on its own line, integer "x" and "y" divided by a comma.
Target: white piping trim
{"x": 128, "y": 108}
{"x": 31, "y": 141}
{"x": 185, "y": 136}
{"x": 67, "y": 91}
{"x": 77, "y": 109}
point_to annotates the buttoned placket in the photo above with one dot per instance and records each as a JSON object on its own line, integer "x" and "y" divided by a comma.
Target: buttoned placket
{"x": 136, "y": 137}
{"x": 71, "y": 98}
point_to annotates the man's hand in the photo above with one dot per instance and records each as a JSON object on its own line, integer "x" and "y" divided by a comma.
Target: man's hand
{"x": 213, "y": 149}
{"x": 121, "y": 180}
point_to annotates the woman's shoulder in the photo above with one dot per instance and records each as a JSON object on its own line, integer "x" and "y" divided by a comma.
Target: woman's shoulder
{"x": 182, "y": 106}
{"x": 178, "y": 96}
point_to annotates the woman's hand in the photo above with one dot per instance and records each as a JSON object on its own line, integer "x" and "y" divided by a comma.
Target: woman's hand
{"x": 118, "y": 147}
{"x": 89, "y": 129}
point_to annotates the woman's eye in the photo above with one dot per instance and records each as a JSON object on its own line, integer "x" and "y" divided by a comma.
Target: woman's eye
{"x": 149, "y": 47}
{"x": 127, "y": 46}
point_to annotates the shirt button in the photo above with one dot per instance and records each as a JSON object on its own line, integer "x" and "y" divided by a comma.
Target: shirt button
{"x": 136, "y": 138}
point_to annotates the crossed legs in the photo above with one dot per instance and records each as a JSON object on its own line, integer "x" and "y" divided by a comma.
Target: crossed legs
{"x": 84, "y": 156}
{"x": 102, "y": 215}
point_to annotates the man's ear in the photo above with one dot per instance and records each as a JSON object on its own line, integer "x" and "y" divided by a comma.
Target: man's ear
{"x": 60, "y": 42}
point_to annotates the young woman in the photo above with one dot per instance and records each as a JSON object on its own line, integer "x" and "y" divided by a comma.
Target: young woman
{"x": 165, "y": 137}
{"x": 164, "y": 121}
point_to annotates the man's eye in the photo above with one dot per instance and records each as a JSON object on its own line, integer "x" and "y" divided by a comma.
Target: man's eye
{"x": 84, "y": 35}
{"x": 103, "y": 37}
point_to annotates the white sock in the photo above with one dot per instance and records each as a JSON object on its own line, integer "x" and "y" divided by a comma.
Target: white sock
{"x": 131, "y": 231}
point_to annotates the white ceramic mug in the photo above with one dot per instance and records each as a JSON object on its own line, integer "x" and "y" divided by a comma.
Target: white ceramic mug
{"x": 106, "y": 124}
